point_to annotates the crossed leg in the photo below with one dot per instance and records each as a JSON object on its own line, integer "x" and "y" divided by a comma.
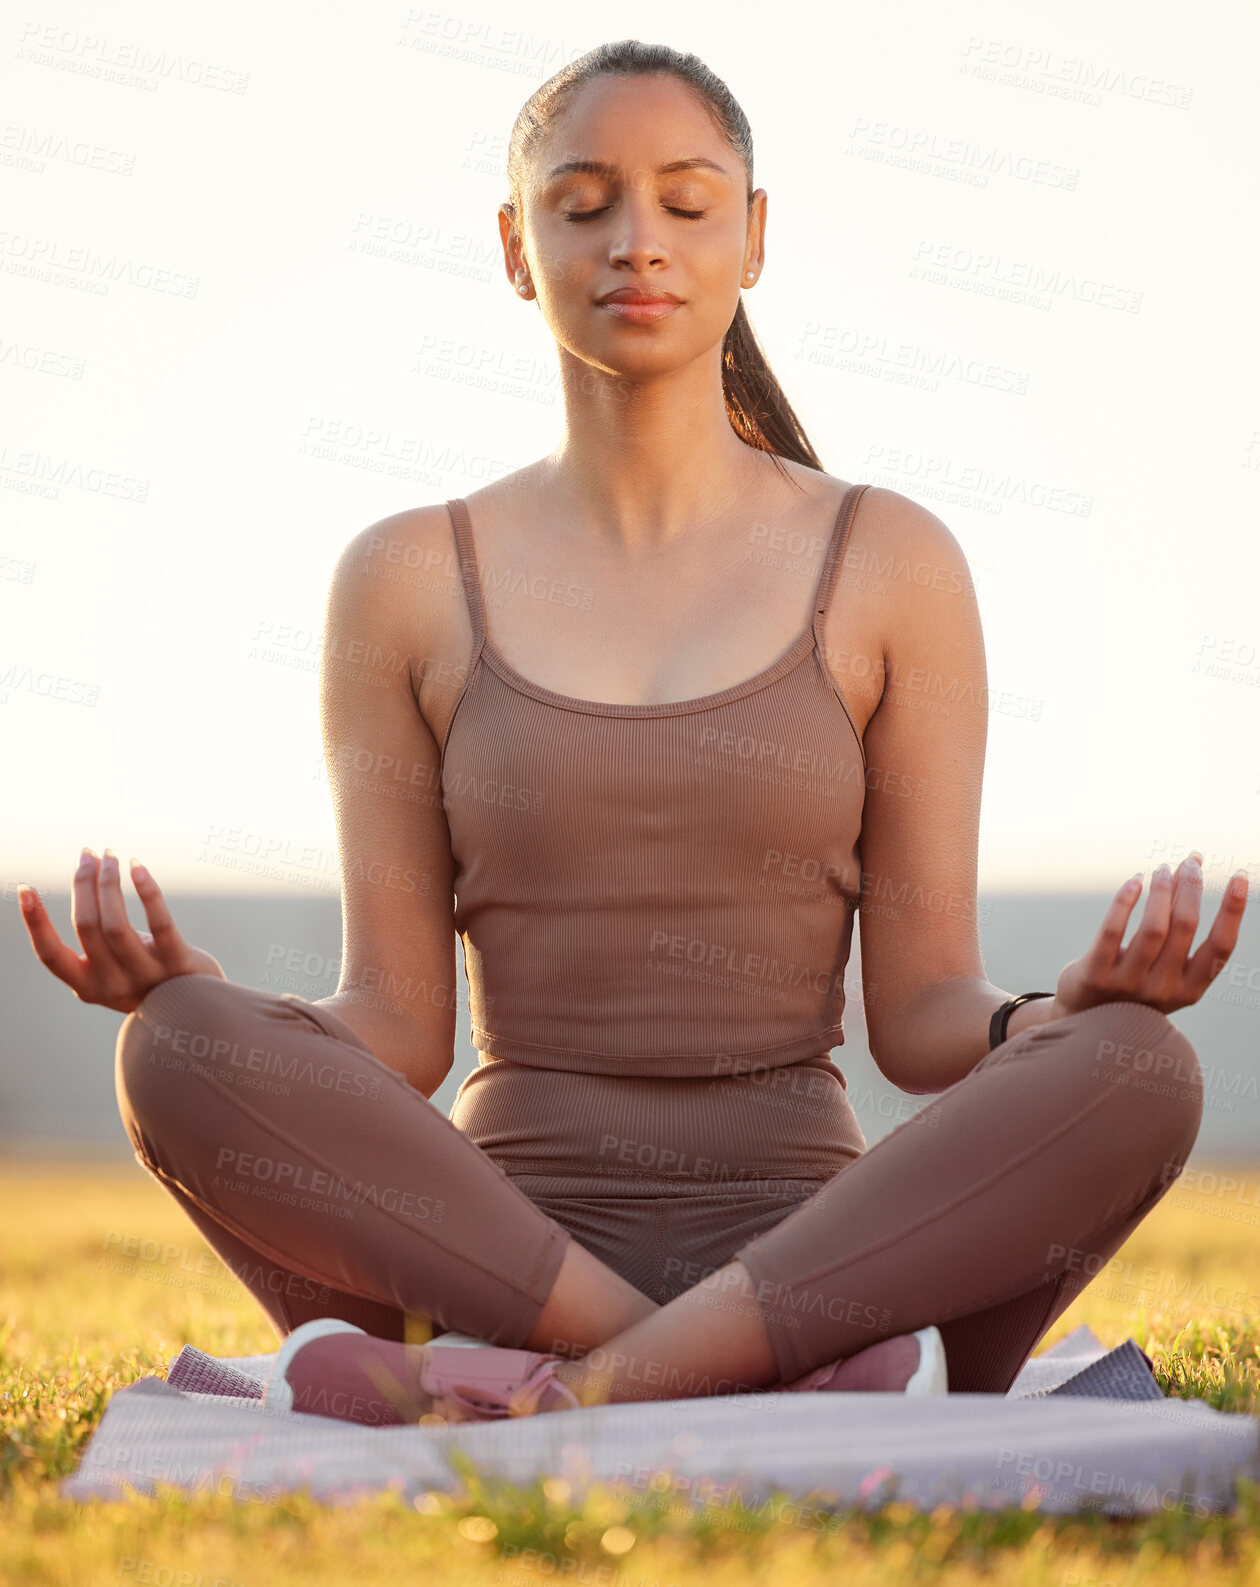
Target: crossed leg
{"x": 985, "y": 1214}
{"x": 332, "y": 1187}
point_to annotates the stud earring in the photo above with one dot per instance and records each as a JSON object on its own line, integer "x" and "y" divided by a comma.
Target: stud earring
{"x": 522, "y": 287}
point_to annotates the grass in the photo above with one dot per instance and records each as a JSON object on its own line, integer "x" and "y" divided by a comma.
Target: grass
{"x": 102, "y": 1280}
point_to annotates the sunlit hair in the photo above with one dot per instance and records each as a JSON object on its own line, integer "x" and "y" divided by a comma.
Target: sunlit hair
{"x": 759, "y": 412}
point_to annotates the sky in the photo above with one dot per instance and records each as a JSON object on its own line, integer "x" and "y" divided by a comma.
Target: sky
{"x": 252, "y": 301}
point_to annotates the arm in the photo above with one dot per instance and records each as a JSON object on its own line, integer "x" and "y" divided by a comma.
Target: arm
{"x": 930, "y": 1002}
{"x": 398, "y": 984}
{"x": 940, "y": 1025}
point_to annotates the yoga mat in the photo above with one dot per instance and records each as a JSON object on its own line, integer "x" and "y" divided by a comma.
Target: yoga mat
{"x": 1081, "y": 1427}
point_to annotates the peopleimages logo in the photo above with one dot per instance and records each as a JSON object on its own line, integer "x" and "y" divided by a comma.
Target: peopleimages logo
{"x": 127, "y": 62}
{"x": 22, "y": 253}
{"x": 1044, "y": 70}
{"x": 730, "y": 960}
{"x": 320, "y": 1182}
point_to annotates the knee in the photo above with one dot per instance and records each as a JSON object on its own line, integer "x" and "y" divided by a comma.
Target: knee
{"x": 1143, "y": 1055}
{"x": 175, "y": 1030}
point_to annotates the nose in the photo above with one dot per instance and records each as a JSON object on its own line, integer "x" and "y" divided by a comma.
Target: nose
{"x": 638, "y": 243}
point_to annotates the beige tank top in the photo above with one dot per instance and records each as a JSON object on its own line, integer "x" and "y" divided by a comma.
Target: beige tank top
{"x": 655, "y": 889}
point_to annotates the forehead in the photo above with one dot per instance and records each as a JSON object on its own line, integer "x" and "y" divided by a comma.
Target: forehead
{"x": 640, "y": 126}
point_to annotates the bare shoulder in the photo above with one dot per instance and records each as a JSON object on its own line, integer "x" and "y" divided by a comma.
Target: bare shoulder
{"x": 399, "y": 580}
{"x": 927, "y": 619}
{"x": 398, "y": 553}
{"x": 912, "y": 567}
{"x": 898, "y": 557}
{"x": 414, "y": 549}
{"x": 891, "y": 529}
{"x": 919, "y": 549}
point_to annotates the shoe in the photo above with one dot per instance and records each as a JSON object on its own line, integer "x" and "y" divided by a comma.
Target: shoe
{"x": 931, "y": 1376}
{"x": 891, "y": 1367}
{"x": 329, "y": 1367}
{"x": 277, "y": 1390}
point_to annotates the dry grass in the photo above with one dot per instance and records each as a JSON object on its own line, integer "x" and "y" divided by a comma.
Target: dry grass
{"x": 79, "y": 1319}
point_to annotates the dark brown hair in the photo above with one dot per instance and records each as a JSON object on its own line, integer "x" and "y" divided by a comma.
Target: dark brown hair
{"x": 759, "y": 412}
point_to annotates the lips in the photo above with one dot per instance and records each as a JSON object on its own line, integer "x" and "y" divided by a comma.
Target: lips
{"x": 638, "y": 305}
{"x": 637, "y": 295}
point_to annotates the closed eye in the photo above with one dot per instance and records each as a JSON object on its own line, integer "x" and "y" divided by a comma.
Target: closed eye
{"x": 589, "y": 214}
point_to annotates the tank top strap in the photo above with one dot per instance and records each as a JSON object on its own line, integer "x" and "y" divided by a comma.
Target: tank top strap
{"x": 835, "y": 553}
{"x": 468, "y": 572}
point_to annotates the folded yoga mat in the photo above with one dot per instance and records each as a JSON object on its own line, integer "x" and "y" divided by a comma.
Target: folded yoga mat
{"x": 1081, "y": 1427}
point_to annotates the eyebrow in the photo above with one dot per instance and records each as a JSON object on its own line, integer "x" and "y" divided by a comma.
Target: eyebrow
{"x": 602, "y": 168}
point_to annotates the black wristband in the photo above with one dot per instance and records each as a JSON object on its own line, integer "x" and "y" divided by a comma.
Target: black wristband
{"x": 997, "y": 1025}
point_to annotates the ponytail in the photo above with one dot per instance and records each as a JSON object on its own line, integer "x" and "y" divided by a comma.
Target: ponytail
{"x": 759, "y": 412}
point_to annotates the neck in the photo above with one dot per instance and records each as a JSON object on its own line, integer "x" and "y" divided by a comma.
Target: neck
{"x": 646, "y": 462}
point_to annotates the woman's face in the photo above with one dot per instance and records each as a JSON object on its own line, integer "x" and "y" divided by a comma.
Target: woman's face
{"x": 602, "y": 213}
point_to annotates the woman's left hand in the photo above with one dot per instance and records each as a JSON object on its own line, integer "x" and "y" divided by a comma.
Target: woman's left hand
{"x": 1154, "y": 968}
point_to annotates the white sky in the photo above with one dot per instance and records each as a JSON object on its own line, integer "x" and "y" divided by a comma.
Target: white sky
{"x": 131, "y": 710}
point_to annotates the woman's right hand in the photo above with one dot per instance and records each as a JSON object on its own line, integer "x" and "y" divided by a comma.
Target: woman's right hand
{"x": 121, "y": 964}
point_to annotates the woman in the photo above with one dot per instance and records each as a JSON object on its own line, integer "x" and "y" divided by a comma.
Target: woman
{"x": 650, "y": 800}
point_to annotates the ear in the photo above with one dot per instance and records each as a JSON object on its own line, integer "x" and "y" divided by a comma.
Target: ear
{"x": 513, "y": 259}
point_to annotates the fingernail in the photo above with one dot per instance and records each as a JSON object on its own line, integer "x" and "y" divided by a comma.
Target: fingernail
{"x": 1197, "y": 854}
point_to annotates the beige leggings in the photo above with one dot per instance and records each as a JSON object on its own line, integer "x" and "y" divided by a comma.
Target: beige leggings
{"x": 331, "y": 1187}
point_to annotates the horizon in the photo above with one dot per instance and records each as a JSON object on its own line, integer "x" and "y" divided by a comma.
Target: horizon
{"x": 997, "y": 321}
